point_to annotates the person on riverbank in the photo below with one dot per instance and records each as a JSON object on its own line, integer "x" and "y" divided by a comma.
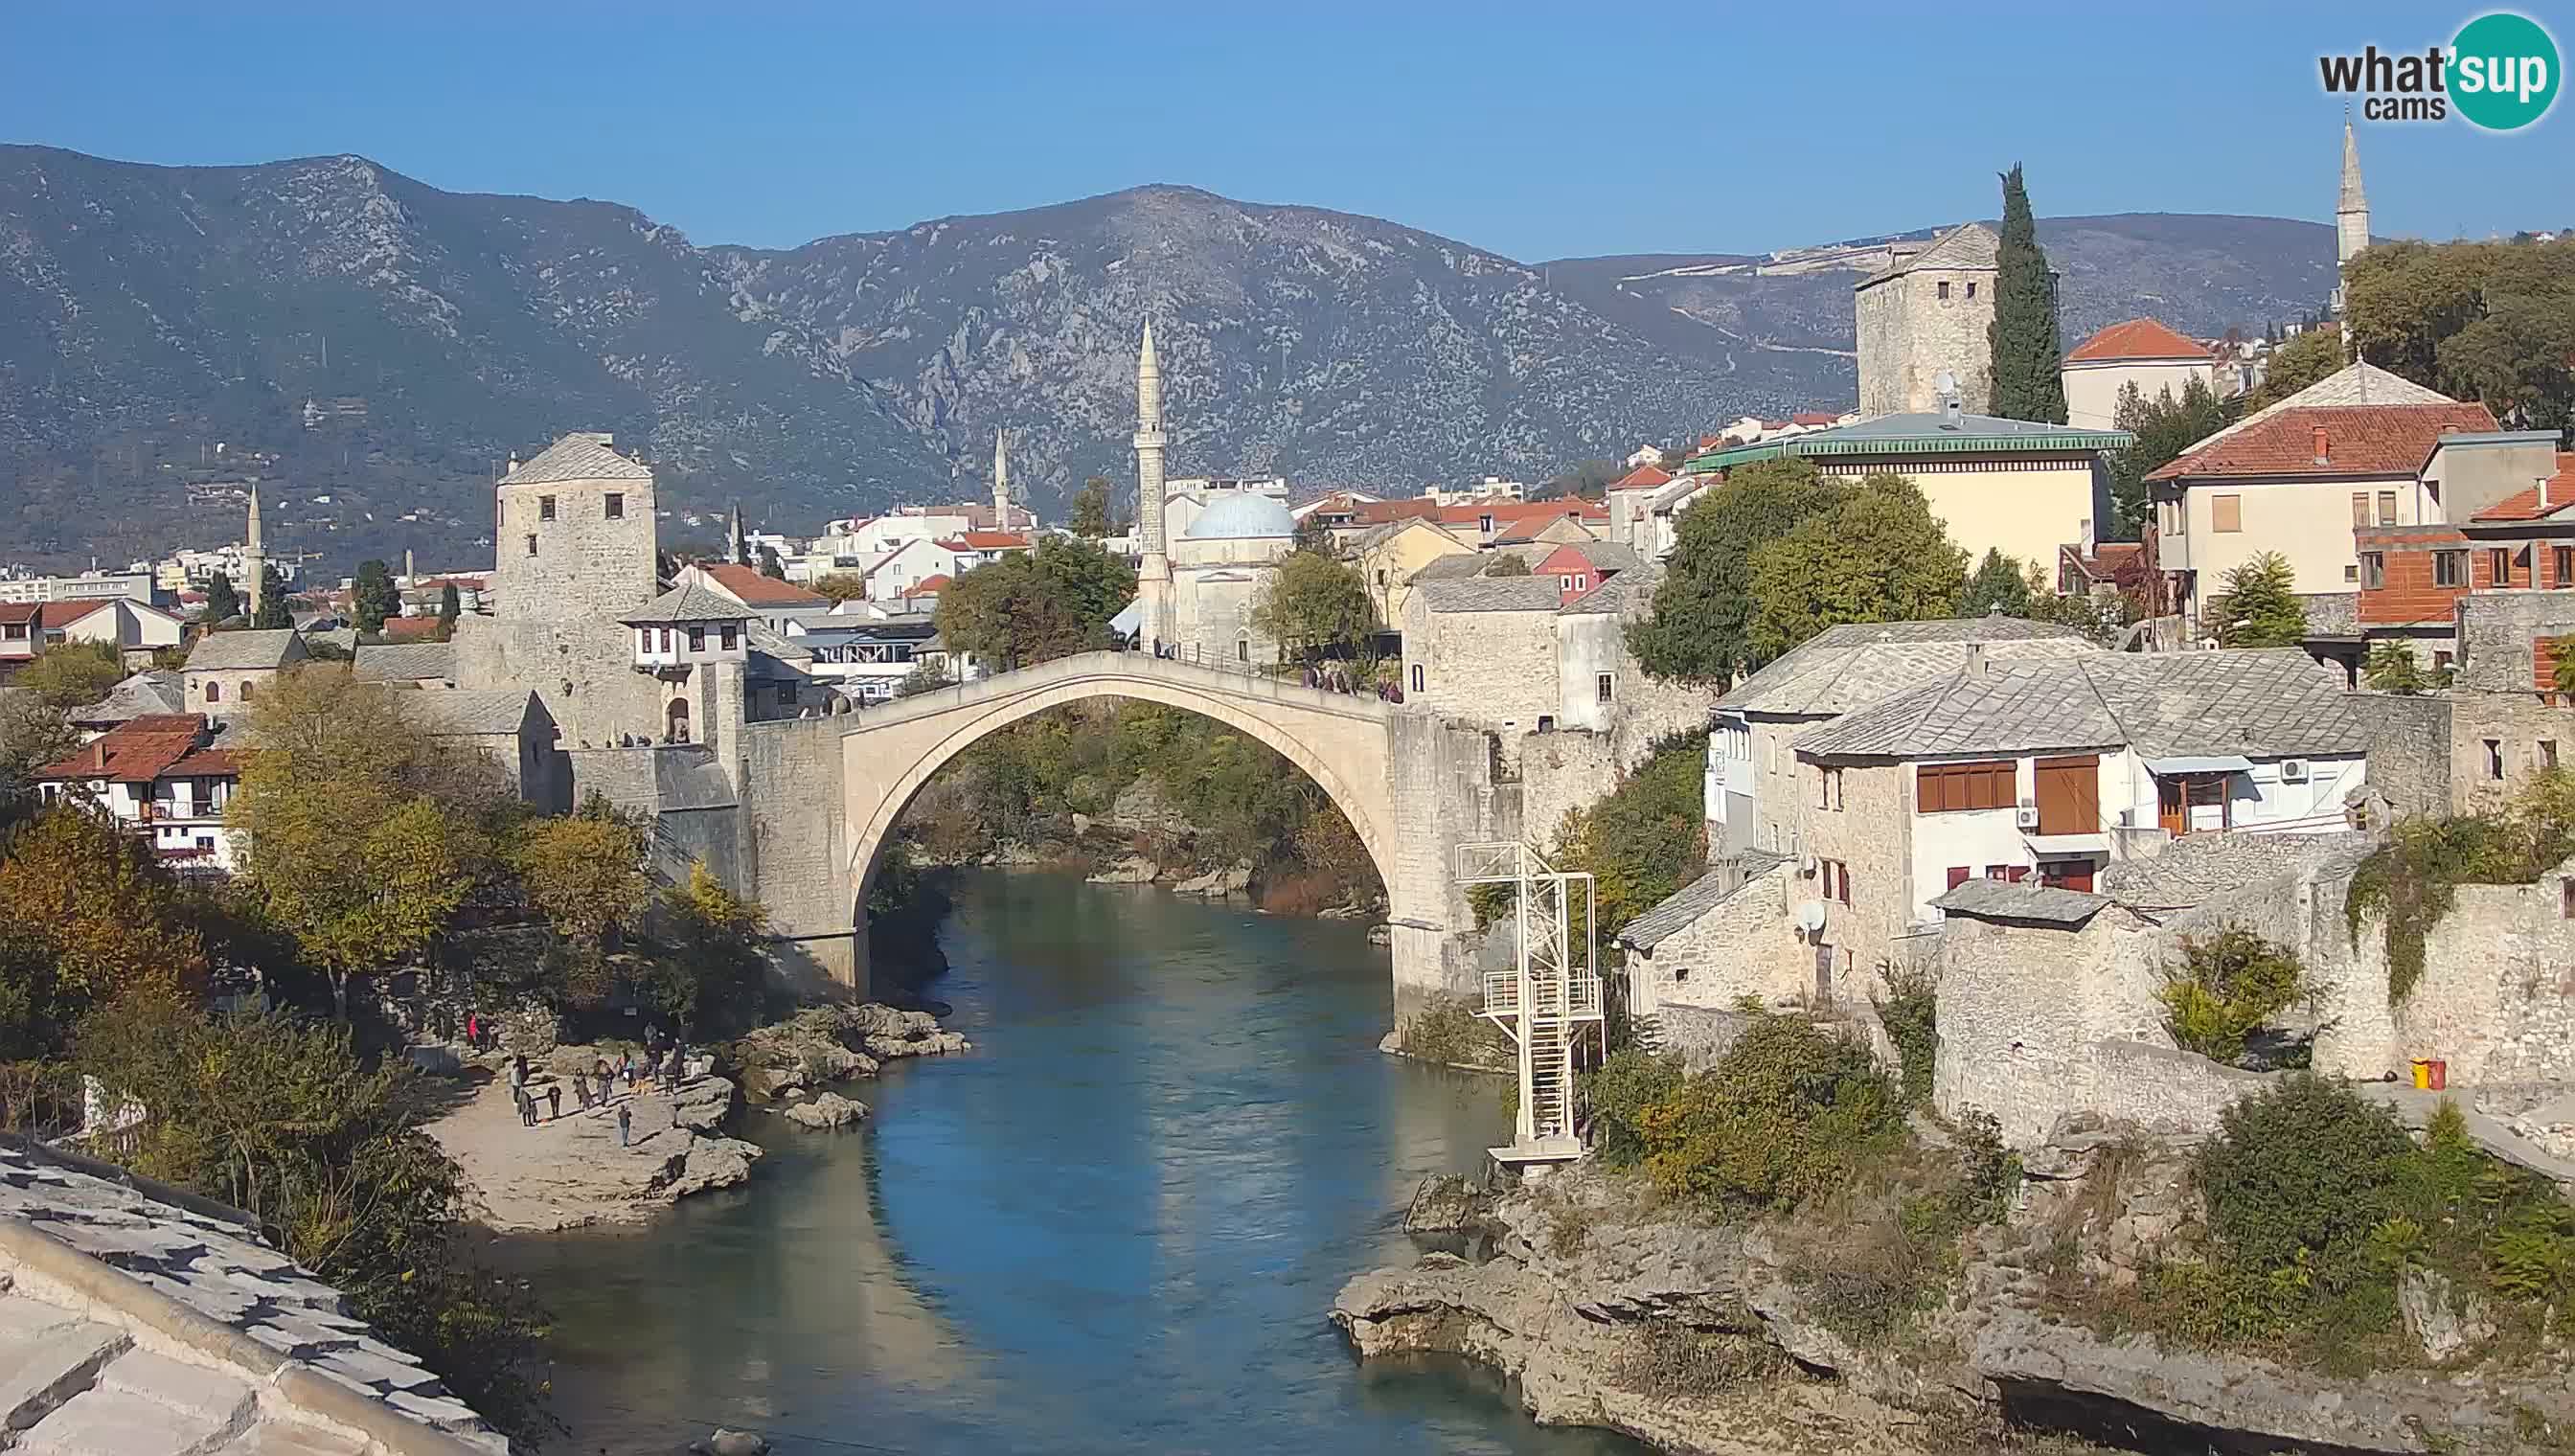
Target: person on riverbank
{"x": 554, "y": 1101}
{"x": 526, "y": 1105}
{"x": 581, "y": 1087}
{"x": 473, "y": 1032}
{"x": 625, "y": 1070}
{"x": 625, "y": 1121}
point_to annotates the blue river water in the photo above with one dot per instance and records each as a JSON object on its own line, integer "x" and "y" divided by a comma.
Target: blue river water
{"x": 1115, "y": 1226}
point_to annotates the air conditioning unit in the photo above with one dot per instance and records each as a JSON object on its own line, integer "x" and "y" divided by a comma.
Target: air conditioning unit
{"x": 2026, "y": 816}
{"x": 2293, "y": 770}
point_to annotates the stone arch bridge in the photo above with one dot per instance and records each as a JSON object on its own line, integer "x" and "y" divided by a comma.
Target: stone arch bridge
{"x": 1412, "y": 787}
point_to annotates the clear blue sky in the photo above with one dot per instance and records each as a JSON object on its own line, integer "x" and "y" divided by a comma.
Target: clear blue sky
{"x": 1535, "y": 132}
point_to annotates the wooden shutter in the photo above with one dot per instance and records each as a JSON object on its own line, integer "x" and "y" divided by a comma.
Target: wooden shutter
{"x": 2226, "y": 513}
{"x": 2069, "y": 795}
{"x": 1958, "y": 876}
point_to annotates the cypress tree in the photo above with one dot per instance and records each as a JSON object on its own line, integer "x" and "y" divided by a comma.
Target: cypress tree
{"x": 2022, "y": 336}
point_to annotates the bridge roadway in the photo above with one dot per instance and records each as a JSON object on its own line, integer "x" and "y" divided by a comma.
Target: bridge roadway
{"x": 1408, "y": 784}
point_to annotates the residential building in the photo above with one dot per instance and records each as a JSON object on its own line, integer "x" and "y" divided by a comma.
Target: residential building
{"x": 507, "y": 726}
{"x": 414, "y": 664}
{"x": 1752, "y": 797}
{"x": 1388, "y": 555}
{"x": 2295, "y": 481}
{"x": 93, "y": 585}
{"x": 767, "y": 598}
{"x": 867, "y": 659}
{"x": 2142, "y": 353}
{"x": 226, "y": 669}
{"x": 1926, "y": 313}
{"x": 149, "y": 694}
{"x": 2012, "y": 486}
{"x": 1629, "y": 498}
{"x": 2050, "y": 769}
{"x": 161, "y": 776}
{"x": 2105, "y": 566}
{"x": 1579, "y": 566}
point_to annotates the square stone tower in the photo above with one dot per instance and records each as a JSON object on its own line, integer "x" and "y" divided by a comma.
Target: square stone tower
{"x": 1927, "y": 311}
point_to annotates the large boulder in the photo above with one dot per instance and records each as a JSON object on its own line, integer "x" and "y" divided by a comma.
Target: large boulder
{"x": 1132, "y": 870}
{"x": 825, "y": 1113}
{"x": 1446, "y": 1203}
{"x": 1225, "y": 879}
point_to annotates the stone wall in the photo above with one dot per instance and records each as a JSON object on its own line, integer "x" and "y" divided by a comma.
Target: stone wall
{"x": 581, "y": 668}
{"x": 2499, "y": 742}
{"x": 789, "y": 777}
{"x": 1869, "y": 833}
{"x": 2409, "y": 752}
{"x": 2497, "y": 996}
{"x": 1562, "y": 772}
{"x": 1497, "y": 669}
{"x": 2164, "y": 1089}
{"x": 2498, "y": 630}
{"x": 1746, "y": 945}
{"x": 1908, "y": 333}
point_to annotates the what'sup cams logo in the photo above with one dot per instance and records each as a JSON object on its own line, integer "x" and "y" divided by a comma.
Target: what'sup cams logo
{"x": 2500, "y": 72}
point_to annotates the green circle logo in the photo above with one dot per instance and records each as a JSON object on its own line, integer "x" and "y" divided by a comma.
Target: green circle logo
{"x": 2503, "y": 71}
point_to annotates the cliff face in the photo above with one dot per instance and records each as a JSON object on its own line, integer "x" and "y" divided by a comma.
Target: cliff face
{"x": 1698, "y": 1339}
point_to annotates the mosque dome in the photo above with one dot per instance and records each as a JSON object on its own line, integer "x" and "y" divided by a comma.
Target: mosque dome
{"x": 1242, "y": 515}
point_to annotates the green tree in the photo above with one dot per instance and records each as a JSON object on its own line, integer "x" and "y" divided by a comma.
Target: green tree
{"x": 273, "y": 611}
{"x": 710, "y": 975}
{"x": 1313, "y": 535}
{"x": 1506, "y": 563}
{"x": 2000, "y": 587}
{"x": 223, "y": 603}
{"x": 2027, "y": 357}
{"x": 1879, "y": 555}
{"x": 2164, "y": 428}
{"x": 770, "y": 566}
{"x": 1312, "y": 604}
{"x": 1645, "y": 839}
{"x": 1700, "y": 628}
{"x": 2304, "y": 360}
{"x": 73, "y": 674}
{"x": 2392, "y": 667}
{"x": 841, "y": 586}
{"x": 450, "y": 606}
{"x": 375, "y": 596}
{"x": 927, "y": 675}
{"x": 2260, "y": 606}
{"x": 33, "y": 733}
{"x": 1090, "y": 508}
{"x": 1589, "y": 479}
{"x": 1030, "y": 606}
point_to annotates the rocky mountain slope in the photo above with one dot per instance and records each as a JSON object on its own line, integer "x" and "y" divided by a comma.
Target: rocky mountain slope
{"x": 148, "y": 313}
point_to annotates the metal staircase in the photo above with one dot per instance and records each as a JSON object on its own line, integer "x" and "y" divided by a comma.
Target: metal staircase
{"x": 1551, "y": 998}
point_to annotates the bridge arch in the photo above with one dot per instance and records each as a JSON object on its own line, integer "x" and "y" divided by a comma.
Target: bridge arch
{"x": 1342, "y": 743}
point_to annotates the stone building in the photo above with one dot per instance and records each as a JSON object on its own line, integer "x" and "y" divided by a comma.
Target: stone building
{"x": 226, "y": 669}
{"x": 1928, "y": 311}
{"x": 1221, "y": 567}
{"x": 1388, "y": 555}
{"x": 509, "y": 727}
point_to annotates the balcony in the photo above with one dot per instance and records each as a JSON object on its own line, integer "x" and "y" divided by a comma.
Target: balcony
{"x": 1502, "y": 996}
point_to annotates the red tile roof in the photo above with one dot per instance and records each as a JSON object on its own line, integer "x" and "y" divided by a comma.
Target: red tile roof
{"x": 987, "y": 541}
{"x": 1377, "y": 512}
{"x": 2526, "y": 505}
{"x": 2137, "y": 339}
{"x": 2360, "y": 440}
{"x": 1643, "y": 477}
{"x": 20, "y": 612}
{"x": 64, "y": 614}
{"x": 410, "y": 628}
{"x": 747, "y": 586}
{"x": 1526, "y": 514}
{"x": 137, "y": 750}
{"x": 928, "y": 586}
{"x": 1814, "y": 416}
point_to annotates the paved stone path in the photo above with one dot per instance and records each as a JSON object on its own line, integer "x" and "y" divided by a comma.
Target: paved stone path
{"x": 569, "y": 1171}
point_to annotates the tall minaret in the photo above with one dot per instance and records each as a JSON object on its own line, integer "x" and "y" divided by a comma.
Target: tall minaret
{"x": 2351, "y": 216}
{"x": 737, "y": 544}
{"x": 1153, "y": 572}
{"x": 1000, "y": 481}
{"x": 255, "y": 559}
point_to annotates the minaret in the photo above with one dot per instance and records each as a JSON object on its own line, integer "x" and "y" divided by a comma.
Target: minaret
{"x": 2351, "y": 217}
{"x": 740, "y": 546}
{"x": 254, "y": 559}
{"x": 1153, "y": 572}
{"x": 1000, "y": 481}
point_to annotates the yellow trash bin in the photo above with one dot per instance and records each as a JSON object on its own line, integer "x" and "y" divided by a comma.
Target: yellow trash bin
{"x": 2422, "y": 1074}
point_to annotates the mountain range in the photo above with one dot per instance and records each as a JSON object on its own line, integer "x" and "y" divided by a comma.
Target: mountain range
{"x": 376, "y": 348}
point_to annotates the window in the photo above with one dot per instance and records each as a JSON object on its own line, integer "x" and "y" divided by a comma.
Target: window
{"x": 1417, "y": 676}
{"x": 1547, "y": 722}
{"x": 205, "y": 842}
{"x": 1564, "y": 583}
{"x": 2226, "y": 513}
{"x": 2494, "y": 759}
{"x": 2373, "y": 570}
{"x": 787, "y": 694}
{"x": 1946, "y": 788}
{"x": 697, "y": 639}
{"x": 1960, "y": 874}
{"x": 1971, "y": 289}
{"x": 1485, "y": 524}
{"x": 1242, "y": 650}
{"x": 245, "y": 693}
{"x": 731, "y": 635}
{"x": 214, "y": 692}
{"x": 2360, "y": 508}
{"x": 2566, "y": 898}
{"x": 2562, "y": 566}
{"x": 1832, "y": 789}
{"x": 545, "y": 508}
{"x": 2441, "y": 661}
{"x": 2387, "y": 507}
{"x": 1835, "y": 878}
{"x": 2352, "y": 574}
{"x": 2449, "y": 569}
{"x": 616, "y": 506}
{"x": 1944, "y": 290}
{"x": 1604, "y": 686}
{"x": 531, "y": 542}
{"x": 2502, "y": 566}
{"x": 2548, "y": 754}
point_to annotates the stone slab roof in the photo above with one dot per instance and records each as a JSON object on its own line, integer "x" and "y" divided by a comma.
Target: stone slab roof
{"x": 2264, "y": 704}
{"x": 1850, "y": 666}
{"x": 405, "y": 662}
{"x": 1968, "y": 247}
{"x": 1632, "y": 587}
{"x": 586, "y": 456}
{"x": 235, "y": 651}
{"x": 1694, "y": 900}
{"x": 1491, "y": 594}
{"x": 472, "y": 712}
{"x": 685, "y": 602}
{"x": 140, "y": 1321}
{"x": 144, "y": 695}
{"x": 2042, "y": 904}
{"x": 2196, "y": 868}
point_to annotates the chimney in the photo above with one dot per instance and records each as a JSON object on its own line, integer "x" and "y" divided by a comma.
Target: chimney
{"x": 1975, "y": 660}
{"x": 2324, "y": 452}
{"x": 98, "y": 754}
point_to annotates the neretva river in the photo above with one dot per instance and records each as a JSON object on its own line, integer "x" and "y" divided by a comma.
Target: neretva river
{"x": 1115, "y": 1226}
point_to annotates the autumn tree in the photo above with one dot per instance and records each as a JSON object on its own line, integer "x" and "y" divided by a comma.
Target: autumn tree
{"x": 1506, "y": 563}
{"x": 1032, "y": 606}
{"x": 584, "y": 873}
{"x": 73, "y": 674}
{"x": 90, "y": 917}
{"x": 2259, "y": 606}
{"x": 2029, "y": 382}
{"x": 2303, "y": 360}
{"x": 1878, "y": 555}
{"x": 841, "y": 585}
{"x": 345, "y": 835}
{"x": 374, "y": 595}
{"x": 2164, "y": 428}
{"x": 708, "y": 974}
{"x": 1090, "y": 508}
{"x": 1312, "y": 604}
{"x": 33, "y": 733}
{"x": 1699, "y": 629}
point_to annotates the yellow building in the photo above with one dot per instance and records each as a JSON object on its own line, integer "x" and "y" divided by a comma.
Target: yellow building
{"x": 1390, "y": 553}
{"x": 2014, "y": 486}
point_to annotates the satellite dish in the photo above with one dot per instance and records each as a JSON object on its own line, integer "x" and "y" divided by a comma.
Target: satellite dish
{"x": 1946, "y": 383}
{"x": 1810, "y": 916}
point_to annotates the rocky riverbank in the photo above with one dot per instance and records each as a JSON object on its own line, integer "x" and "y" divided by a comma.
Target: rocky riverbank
{"x": 1704, "y": 1337}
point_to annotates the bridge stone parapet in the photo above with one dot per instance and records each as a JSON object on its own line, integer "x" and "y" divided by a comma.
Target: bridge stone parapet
{"x": 1412, "y": 786}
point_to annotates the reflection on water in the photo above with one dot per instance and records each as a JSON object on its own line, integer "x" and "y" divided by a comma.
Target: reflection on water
{"x": 1114, "y": 1226}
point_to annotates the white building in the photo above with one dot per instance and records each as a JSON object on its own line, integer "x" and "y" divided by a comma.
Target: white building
{"x": 161, "y": 778}
{"x": 94, "y": 586}
{"x": 2139, "y": 352}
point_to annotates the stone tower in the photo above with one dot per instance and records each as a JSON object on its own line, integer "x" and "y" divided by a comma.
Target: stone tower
{"x": 1928, "y": 309}
{"x": 254, "y": 558}
{"x": 737, "y": 544}
{"x": 1153, "y": 572}
{"x": 1000, "y": 481}
{"x": 2351, "y": 217}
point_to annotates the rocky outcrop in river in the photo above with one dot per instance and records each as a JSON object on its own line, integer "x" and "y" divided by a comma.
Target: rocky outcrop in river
{"x": 1694, "y": 1336}
{"x": 820, "y": 1046}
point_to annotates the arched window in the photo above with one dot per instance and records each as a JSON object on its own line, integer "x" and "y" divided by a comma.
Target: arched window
{"x": 214, "y": 691}
{"x": 1242, "y": 650}
{"x": 678, "y": 721}
{"x": 245, "y": 693}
